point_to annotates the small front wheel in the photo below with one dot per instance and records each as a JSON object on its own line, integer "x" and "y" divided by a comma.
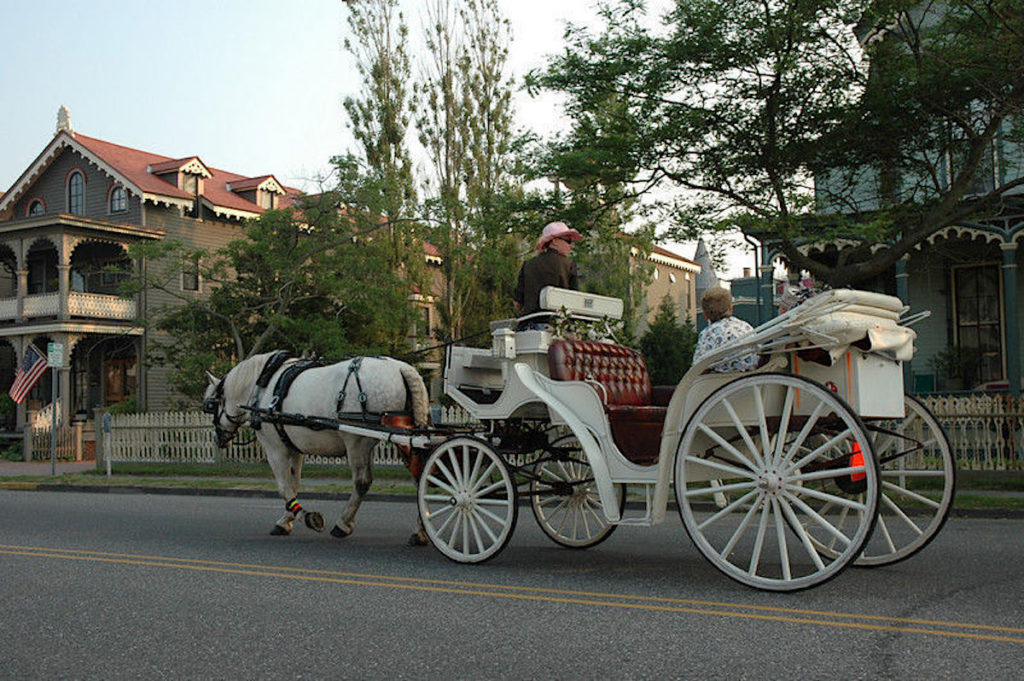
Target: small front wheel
{"x": 467, "y": 500}
{"x": 565, "y": 500}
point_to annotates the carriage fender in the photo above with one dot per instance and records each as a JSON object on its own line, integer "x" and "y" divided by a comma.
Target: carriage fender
{"x": 591, "y": 449}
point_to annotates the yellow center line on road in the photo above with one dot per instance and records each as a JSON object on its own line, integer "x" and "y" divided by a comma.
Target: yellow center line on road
{"x": 647, "y": 603}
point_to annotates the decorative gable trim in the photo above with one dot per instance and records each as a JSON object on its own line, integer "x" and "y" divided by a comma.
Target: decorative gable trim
{"x": 61, "y": 141}
{"x": 191, "y": 165}
{"x": 267, "y": 183}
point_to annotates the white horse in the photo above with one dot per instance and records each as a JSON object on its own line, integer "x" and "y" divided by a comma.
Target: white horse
{"x": 376, "y": 386}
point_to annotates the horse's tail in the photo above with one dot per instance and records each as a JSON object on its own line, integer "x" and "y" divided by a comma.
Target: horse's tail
{"x": 418, "y": 392}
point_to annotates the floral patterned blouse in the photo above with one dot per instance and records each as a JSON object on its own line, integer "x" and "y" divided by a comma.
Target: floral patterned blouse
{"x": 723, "y": 332}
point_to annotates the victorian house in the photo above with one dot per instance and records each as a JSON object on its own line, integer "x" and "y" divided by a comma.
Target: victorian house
{"x": 73, "y": 214}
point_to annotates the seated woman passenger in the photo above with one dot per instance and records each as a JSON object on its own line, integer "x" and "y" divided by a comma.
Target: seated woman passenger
{"x": 722, "y": 329}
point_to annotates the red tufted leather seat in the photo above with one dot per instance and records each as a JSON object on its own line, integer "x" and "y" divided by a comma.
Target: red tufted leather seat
{"x": 636, "y": 411}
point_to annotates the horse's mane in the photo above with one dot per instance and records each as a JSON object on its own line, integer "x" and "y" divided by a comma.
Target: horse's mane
{"x": 247, "y": 371}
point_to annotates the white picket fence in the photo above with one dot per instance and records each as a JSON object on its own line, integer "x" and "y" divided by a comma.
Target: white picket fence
{"x": 188, "y": 437}
{"x": 986, "y": 432}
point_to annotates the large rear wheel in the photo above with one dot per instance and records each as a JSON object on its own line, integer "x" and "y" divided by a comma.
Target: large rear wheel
{"x": 766, "y": 466}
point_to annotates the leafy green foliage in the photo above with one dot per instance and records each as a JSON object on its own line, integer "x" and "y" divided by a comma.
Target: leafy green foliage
{"x": 874, "y": 122}
{"x": 668, "y": 346}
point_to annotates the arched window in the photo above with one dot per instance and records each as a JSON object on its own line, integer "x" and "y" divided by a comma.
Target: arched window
{"x": 118, "y": 200}
{"x": 36, "y": 207}
{"x": 76, "y": 194}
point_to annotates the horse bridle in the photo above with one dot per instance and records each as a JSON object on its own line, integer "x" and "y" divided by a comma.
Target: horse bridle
{"x": 214, "y": 405}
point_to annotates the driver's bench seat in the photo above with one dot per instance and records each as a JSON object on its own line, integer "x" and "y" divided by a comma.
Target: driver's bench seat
{"x": 635, "y": 409}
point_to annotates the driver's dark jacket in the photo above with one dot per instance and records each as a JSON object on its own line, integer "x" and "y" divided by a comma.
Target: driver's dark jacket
{"x": 548, "y": 268}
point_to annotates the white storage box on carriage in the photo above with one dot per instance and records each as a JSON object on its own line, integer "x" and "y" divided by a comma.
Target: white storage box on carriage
{"x": 870, "y": 383}
{"x": 577, "y": 302}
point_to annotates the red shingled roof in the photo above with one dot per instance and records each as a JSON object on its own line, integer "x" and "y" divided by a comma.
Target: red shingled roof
{"x": 135, "y": 166}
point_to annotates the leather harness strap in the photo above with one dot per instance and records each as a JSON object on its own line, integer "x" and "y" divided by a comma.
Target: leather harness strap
{"x": 274, "y": 362}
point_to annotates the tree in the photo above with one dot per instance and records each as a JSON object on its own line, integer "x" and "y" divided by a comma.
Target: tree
{"x": 463, "y": 115}
{"x": 871, "y": 122}
{"x": 291, "y": 282}
{"x": 668, "y": 346}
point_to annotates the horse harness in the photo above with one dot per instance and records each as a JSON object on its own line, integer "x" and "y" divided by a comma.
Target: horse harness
{"x": 272, "y": 412}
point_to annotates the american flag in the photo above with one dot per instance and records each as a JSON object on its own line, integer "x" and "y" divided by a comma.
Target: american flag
{"x": 29, "y": 373}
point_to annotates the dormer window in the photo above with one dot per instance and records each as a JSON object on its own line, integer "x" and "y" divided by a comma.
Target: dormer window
{"x": 36, "y": 208}
{"x": 266, "y": 199}
{"x": 118, "y": 200}
{"x": 76, "y": 193}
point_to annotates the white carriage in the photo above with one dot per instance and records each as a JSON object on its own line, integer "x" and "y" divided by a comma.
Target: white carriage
{"x": 782, "y": 475}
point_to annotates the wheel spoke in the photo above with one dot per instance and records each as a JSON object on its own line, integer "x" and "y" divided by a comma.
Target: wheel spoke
{"x": 780, "y": 537}
{"x": 728, "y": 509}
{"x": 812, "y": 421}
{"x": 493, "y": 516}
{"x": 798, "y": 530}
{"x": 904, "y": 492}
{"x": 742, "y": 430}
{"x": 818, "y": 451}
{"x": 726, "y": 445}
{"x": 483, "y": 479}
{"x": 442, "y": 485}
{"x": 721, "y": 489}
{"x": 828, "y": 474}
{"x": 818, "y": 519}
{"x": 780, "y": 437}
{"x": 742, "y": 527}
{"x": 726, "y": 468}
{"x": 900, "y": 514}
{"x": 824, "y": 496}
{"x": 883, "y": 526}
{"x": 762, "y": 530}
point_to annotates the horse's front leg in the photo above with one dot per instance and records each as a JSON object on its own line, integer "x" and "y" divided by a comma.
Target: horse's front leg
{"x": 360, "y": 458}
{"x": 287, "y": 468}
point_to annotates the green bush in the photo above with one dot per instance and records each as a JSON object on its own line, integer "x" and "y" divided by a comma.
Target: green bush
{"x": 668, "y": 345}
{"x": 127, "y": 406}
{"x": 12, "y": 452}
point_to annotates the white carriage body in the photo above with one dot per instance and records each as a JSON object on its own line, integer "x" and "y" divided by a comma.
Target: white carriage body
{"x": 861, "y": 349}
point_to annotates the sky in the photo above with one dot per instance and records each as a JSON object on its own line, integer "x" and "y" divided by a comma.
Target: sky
{"x": 250, "y": 86}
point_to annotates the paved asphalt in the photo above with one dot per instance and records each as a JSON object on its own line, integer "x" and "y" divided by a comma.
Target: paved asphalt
{"x": 175, "y": 586}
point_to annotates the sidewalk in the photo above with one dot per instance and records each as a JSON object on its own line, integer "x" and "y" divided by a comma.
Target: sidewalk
{"x": 1000, "y": 503}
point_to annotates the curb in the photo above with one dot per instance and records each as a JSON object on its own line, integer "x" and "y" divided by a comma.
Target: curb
{"x": 979, "y": 513}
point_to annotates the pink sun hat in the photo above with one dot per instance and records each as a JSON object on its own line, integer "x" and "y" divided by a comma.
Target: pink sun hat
{"x": 557, "y": 230}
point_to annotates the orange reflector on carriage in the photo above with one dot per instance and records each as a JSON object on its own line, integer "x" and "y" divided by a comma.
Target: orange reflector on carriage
{"x": 857, "y": 461}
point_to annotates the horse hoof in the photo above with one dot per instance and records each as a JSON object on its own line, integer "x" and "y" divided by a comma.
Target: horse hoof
{"x": 315, "y": 521}
{"x": 417, "y": 539}
{"x": 340, "y": 533}
{"x": 279, "y": 531}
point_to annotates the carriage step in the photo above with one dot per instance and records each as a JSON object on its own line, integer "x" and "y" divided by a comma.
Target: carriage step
{"x": 646, "y": 521}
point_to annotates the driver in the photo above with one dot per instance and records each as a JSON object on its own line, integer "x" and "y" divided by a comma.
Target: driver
{"x": 552, "y": 266}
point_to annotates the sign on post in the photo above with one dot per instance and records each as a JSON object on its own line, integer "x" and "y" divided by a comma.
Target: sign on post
{"x": 55, "y": 355}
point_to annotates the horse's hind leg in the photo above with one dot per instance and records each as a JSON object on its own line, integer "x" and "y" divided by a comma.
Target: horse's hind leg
{"x": 360, "y": 458}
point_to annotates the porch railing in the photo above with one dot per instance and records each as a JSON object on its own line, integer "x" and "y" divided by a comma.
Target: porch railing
{"x": 100, "y": 306}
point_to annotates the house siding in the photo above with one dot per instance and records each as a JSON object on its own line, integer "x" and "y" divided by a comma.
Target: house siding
{"x": 51, "y": 187}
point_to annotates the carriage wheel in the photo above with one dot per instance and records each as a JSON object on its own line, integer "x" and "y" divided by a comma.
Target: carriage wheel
{"x": 467, "y": 500}
{"x": 565, "y": 500}
{"x": 765, "y": 467}
{"x": 918, "y": 484}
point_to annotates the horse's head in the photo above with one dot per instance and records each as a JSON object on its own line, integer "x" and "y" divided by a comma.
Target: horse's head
{"x": 215, "y": 404}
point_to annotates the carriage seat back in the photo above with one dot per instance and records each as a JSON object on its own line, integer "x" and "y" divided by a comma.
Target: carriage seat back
{"x": 620, "y": 376}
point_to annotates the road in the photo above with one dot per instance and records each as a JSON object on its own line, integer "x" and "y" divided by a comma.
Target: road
{"x": 109, "y": 586}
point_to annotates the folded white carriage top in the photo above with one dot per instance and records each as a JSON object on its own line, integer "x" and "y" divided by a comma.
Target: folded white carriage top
{"x": 836, "y": 319}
